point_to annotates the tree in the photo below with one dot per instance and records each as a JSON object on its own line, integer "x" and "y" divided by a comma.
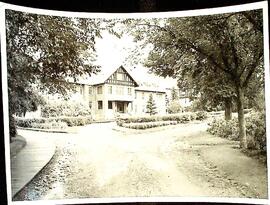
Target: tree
{"x": 174, "y": 107}
{"x": 151, "y": 106}
{"x": 174, "y": 94}
{"x": 166, "y": 102}
{"x": 225, "y": 47}
{"x": 43, "y": 52}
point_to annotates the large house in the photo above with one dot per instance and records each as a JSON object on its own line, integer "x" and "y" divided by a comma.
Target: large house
{"x": 117, "y": 92}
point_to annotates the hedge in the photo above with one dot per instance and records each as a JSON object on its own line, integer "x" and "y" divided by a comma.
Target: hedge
{"x": 70, "y": 121}
{"x": 147, "y": 125}
{"x": 179, "y": 118}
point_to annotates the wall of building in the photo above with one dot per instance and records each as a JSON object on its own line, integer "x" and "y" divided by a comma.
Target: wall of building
{"x": 141, "y": 98}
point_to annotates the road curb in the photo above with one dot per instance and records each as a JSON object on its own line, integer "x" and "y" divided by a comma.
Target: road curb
{"x": 43, "y": 130}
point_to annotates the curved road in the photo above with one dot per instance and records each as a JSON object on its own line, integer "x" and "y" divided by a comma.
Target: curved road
{"x": 168, "y": 162}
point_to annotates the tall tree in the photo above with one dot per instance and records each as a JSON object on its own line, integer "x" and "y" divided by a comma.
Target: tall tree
{"x": 225, "y": 47}
{"x": 43, "y": 52}
{"x": 151, "y": 106}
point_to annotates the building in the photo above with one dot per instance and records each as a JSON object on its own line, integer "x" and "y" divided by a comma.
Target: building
{"x": 117, "y": 92}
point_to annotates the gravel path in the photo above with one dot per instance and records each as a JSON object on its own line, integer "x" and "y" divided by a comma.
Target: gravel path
{"x": 101, "y": 162}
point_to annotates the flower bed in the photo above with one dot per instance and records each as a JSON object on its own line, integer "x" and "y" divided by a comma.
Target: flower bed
{"x": 147, "y": 125}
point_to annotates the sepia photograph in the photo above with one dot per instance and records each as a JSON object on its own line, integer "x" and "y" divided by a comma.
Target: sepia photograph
{"x": 136, "y": 106}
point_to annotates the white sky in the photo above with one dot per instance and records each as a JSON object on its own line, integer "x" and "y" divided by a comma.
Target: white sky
{"x": 112, "y": 52}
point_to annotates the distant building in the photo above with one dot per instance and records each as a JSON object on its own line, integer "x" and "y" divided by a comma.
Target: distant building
{"x": 118, "y": 92}
{"x": 183, "y": 97}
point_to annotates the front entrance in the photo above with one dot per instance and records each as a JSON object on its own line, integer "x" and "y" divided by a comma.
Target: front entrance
{"x": 120, "y": 107}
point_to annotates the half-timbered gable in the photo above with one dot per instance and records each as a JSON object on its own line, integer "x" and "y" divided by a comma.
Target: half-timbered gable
{"x": 121, "y": 77}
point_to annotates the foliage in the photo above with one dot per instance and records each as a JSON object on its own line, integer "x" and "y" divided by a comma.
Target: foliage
{"x": 65, "y": 108}
{"x": 179, "y": 118}
{"x": 174, "y": 94}
{"x": 147, "y": 125}
{"x": 214, "y": 56}
{"x": 174, "y": 107}
{"x": 151, "y": 106}
{"x": 70, "y": 121}
{"x": 43, "y": 52}
{"x": 223, "y": 128}
{"x": 54, "y": 125}
{"x": 256, "y": 130}
{"x": 201, "y": 115}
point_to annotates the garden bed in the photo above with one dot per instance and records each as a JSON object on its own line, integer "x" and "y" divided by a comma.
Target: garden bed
{"x": 146, "y": 122}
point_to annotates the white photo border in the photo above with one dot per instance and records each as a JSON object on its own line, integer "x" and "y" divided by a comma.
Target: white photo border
{"x": 219, "y": 10}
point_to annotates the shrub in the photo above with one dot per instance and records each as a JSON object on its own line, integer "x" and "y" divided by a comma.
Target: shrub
{"x": 147, "y": 125}
{"x": 201, "y": 115}
{"x": 50, "y": 125}
{"x": 69, "y": 121}
{"x": 180, "y": 118}
{"x": 255, "y": 128}
{"x": 174, "y": 107}
{"x": 224, "y": 129}
{"x": 65, "y": 108}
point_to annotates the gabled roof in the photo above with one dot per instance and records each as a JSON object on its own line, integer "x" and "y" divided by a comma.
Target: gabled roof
{"x": 104, "y": 75}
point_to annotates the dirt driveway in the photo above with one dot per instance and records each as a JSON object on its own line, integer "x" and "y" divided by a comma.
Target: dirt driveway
{"x": 180, "y": 160}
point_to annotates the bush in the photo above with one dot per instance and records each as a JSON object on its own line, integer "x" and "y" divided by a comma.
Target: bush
{"x": 201, "y": 115}
{"x": 174, "y": 107}
{"x": 255, "y": 128}
{"x": 50, "y": 125}
{"x": 69, "y": 121}
{"x": 65, "y": 108}
{"x": 180, "y": 118}
{"x": 147, "y": 125}
{"x": 224, "y": 129}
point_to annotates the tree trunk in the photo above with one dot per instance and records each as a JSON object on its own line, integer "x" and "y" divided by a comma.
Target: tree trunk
{"x": 228, "y": 108}
{"x": 241, "y": 118}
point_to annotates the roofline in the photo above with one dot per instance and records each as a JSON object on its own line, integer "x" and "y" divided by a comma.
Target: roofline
{"x": 144, "y": 90}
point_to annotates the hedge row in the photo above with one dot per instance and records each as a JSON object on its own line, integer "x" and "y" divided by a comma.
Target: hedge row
{"x": 51, "y": 125}
{"x": 147, "y": 125}
{"x": 70, "y": 121}
{"x": 255, "y": 128}
{"x": 179, "y": 118}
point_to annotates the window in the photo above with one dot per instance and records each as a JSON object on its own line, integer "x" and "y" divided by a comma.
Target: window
{"x": 90, "y": 90}
{"x": 90, "y": 104}
{"x": 81, "y": 89}
{"x": 100, "y": 105}
{"x": 99, "y": 89}
{"x": 135, "y": 95}
{"x": 142, "y": 95}
{"x": 129, "y": 91}
{"x": 109, "y": 104}
{"x": 120, "y": 76}
{"x": 110, "y": 89}
{"x": 114, "y": 76}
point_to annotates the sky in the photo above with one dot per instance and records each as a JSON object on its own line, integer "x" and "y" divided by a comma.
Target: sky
{"x": 112, "y": 52}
